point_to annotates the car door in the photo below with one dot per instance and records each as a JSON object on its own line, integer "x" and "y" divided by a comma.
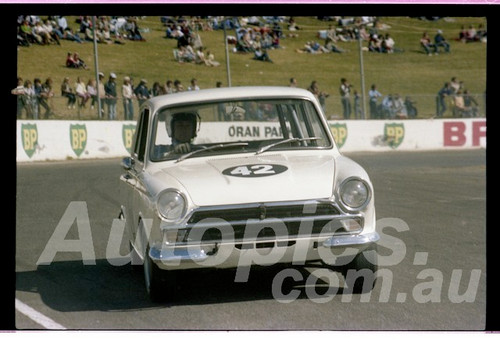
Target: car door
{"x": 132, "y": 179}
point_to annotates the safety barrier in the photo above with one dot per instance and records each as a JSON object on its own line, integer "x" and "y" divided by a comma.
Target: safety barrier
{"x": 41, "y": 140}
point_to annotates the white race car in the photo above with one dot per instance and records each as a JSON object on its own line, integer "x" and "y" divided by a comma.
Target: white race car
{"x": 243, "y": 176}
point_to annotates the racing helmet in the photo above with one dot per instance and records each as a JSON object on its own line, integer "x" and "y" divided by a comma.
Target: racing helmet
{"x": 192, "y": 117}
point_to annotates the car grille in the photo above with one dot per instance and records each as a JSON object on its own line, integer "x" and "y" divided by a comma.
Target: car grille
{"x": 264, "y": 211}
{"x": 269, "y": 221}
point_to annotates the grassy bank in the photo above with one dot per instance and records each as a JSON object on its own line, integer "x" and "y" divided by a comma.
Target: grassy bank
{"x": 410, "y": 72}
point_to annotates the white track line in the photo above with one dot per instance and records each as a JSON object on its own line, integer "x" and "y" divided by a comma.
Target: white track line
{"x": 38, "y": 317}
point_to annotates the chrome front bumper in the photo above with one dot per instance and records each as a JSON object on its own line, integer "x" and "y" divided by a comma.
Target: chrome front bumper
{"x": 298, "y": 251}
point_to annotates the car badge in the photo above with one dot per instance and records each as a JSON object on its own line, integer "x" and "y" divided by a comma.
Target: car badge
{"x": 262, "y": 212}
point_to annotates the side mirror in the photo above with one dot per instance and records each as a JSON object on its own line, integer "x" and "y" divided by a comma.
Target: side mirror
{"x": 128, "y": 163}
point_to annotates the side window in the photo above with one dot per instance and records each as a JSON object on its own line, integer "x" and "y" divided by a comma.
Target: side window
{"x": 141, "y": 135}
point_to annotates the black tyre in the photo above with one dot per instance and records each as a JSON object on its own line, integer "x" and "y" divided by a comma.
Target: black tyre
{"x": 360, "y": 273}
{"x": 159, "y": 283}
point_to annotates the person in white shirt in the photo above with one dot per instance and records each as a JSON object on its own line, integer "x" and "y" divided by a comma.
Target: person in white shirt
{"x": 128, "y": 95}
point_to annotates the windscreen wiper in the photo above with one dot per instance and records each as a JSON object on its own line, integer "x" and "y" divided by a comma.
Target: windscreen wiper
{"x": 218, "y": 146}
{"x": 283, "y": 141}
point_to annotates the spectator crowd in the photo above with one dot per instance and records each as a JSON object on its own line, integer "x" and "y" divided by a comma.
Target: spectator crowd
{"x": 252, "y": 35}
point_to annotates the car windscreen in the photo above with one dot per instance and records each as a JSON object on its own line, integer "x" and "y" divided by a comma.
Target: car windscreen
{"x": 237, "y": 126}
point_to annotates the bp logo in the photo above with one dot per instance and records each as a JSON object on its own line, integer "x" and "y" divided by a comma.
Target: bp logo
{"x": 29, "y": 135}
{"x": 339, "y": 132}
{"x": 127, "y": 136}
{"x": 394, "y": 134}
{"x": 78, "y": 138}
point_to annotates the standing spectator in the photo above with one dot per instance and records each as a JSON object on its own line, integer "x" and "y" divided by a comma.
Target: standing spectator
{"x": 399, "y": 107}
{"x": 440, "y": 41}
{"x": 111, "y": 96}
{"x": 44, "y": 93}
{"x": 374, "y": 95}
{"x": 320, "y": 95}
{"x": 67, "y": 91}
{"x": 81, "y": 92}
{"x": 411, "y": 109}
{"x": 29, "y": 98}
{"x": 471, "y": 105}
{"x": 169, "y": 89}
{"x": 194, "y": 85}
{"x": 128, "y": 95}
{"x": 458, "y": 104}
{"x": 19, "y": 92}
{"x": 345, "y": 90}
{"x": 142, "y": 92}
{"x": 293, "y": 82}
{"x": 454, "y": 85}
{"x": 157, "y": 89}
{"x": 426, "y": 43}
{"x": 92, "y": 91}
{"x": 441, "y": 99}
{"x": 101, "y": 91}
{"x": 178, "y": 87}
{"x": 387, "y": 107}
{"x": 358, "y": 112}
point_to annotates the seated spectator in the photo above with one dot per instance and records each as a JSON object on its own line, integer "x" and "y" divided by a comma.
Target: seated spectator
{"x": 471, "y": 34}
{"x": 261, "y": 55}
{"x": 312, "y": 47}
{"x": 68, "y": 34}
{"x": 210, "y": 60}
{"x": 67, "y": 91}
{"x": 440, "y": 41}
{"x": 26, "y": 32}
{"x": 70, "y": 62}
{"x": 481, "y": 33}
{"x": 54, "y": 32}
{"x": 375, "y": 44}
{"x": 42, "y": 33}
{"x": 132, "y": 30}
{"x": 81, "y": 92}
{"x": 185, "y": 54}
{"x": 74, "y": 61}
{"x": 388, "y": 44}
{"x": 426, "y": 43}
{"x": 92, "y": 91}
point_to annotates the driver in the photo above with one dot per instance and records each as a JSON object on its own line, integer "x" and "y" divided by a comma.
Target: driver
{"x": 183, "y": 131}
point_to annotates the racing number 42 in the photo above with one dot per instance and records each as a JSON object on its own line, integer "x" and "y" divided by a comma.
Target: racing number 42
{"x": 257, "y": 170}
{"x": 253, "y": 170}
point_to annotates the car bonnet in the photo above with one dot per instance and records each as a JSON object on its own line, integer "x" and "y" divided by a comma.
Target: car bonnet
{"x": 248, "y": 179}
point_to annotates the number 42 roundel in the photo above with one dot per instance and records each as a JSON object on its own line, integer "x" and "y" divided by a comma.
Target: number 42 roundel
{"x": 251, "y": 171}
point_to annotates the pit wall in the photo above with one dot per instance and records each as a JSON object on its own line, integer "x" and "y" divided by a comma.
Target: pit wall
{"x": 41, "y": 140}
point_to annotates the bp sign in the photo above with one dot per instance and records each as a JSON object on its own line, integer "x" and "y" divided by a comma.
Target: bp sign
{"x": 394, "y": 134}
{"x": 29, "y": 137}
{"x": 78, "y": 138}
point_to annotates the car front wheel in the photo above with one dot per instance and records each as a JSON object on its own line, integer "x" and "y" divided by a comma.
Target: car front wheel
{"x": 360, "y": 273}
{"x": 159, "y": 283}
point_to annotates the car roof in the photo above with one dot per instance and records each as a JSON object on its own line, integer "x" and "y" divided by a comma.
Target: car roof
{"x": 225, "y": 93}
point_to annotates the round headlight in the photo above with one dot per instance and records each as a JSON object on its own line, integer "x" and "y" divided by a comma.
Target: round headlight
{"x": 354, "y": 193}
{"x": 171, "y": 205}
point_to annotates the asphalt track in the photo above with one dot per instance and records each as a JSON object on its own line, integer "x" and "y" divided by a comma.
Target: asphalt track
{"x": 432, "y": 206}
